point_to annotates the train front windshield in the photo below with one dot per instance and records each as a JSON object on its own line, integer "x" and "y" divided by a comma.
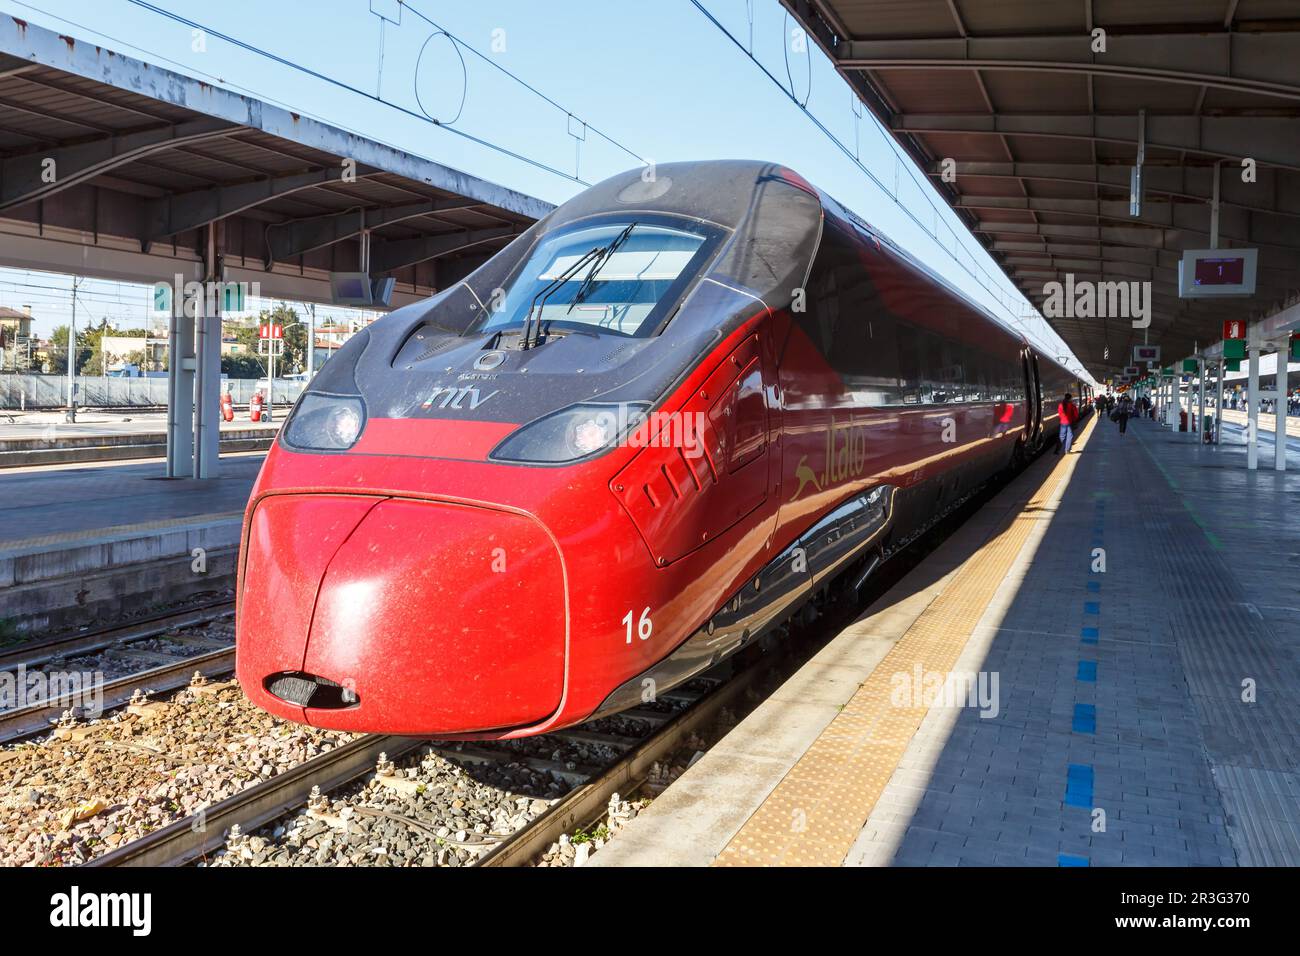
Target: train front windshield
{"x": 618, "y": 276}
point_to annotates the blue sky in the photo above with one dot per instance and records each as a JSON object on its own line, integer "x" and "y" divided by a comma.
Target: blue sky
{"x": 657, "y": 82}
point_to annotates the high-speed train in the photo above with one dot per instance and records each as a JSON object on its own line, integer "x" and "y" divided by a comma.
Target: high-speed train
{"x": 657, "y": 424}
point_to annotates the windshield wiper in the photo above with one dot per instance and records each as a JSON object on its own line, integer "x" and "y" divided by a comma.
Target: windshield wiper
{"x": 606, "y": 254}
{"x": 538, "y": 304}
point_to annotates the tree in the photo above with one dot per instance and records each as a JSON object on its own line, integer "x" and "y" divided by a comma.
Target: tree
{"x": 58, "y": 353}
{"x": 242, "y": 366}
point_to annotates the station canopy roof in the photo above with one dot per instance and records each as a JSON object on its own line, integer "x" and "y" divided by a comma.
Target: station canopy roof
{"x": 1044, "y": 132}
{"x": 111, "y": 167}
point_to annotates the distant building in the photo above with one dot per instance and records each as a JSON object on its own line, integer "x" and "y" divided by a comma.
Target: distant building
{"x": 331, "y": 336}
{"x": 121, "y": 350}
{"x": 16, "y": 343}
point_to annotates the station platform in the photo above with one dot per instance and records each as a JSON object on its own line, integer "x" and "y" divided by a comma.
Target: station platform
{"x": 81, "y": 544}
{"x": 44, "y": 437}
{"x": 1013, "y": 701}
{"x": 42, "y": 501}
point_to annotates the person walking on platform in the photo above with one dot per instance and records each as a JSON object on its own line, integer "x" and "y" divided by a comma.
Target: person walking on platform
{"x": 1069, "y": 413}
{"x": 1122, "y": 414}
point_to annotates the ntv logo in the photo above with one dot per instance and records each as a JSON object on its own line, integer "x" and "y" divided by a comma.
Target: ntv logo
{"x": 1098, "y": 300}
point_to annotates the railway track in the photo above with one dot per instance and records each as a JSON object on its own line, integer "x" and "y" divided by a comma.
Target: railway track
{"x": 147, "y": 670}
{"x": 202, "y": 835}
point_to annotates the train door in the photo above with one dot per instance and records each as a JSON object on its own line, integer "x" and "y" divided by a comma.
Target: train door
{"x": 1032, "y": 408}
{"x": 1038, "y": 397}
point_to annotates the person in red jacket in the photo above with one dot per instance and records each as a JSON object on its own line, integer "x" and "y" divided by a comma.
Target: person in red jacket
{"x": 1069, "y": 413}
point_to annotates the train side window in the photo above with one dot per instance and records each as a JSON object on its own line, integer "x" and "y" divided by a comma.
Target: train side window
{"x": 878, "y": 371}
{"x": 933, "y": 387}
{"x": 865, "y": 350}
{"x": 976, "y": 375}
{"x": 952, "y": 372}
{"x": 849, "y": 325}
{"x": 909, "y": 363}
{"x": 821, "y": 311}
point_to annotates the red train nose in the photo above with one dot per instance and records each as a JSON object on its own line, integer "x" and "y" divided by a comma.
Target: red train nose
{"x": 427, "y": 617}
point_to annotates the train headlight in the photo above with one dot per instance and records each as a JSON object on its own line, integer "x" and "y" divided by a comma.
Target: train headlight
{"x": 571, "y": 434}
{"x": 325, "y": 422}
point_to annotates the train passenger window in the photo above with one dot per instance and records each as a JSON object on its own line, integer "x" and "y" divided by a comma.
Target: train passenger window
{"x": 864, "y": 350}
{"x": 976, "y": 366}
{"x": 933, "y": 387}
{"x": 994, "y": 371}
{"x": 821, "y": 311}
{"x": 845, "y": 319}
{"x": 950, "y": 373}
{"x": 876, "y": 363}
{"x": 909, "y": 363}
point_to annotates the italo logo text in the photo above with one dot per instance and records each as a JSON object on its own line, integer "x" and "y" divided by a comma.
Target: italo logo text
{"x": 1098, "y": 300}
{"x": 75, "y": 908}
{"x": 845, "y": 457}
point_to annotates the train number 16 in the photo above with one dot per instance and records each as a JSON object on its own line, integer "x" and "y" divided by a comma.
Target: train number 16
{"x": 644, "y": 626}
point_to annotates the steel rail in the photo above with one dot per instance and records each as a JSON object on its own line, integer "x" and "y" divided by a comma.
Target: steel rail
{"x": 65, "y": 645}
{"x": 587, "y": 801}
{"x": 197, "y": 835}
{"x": 36, "y": 717}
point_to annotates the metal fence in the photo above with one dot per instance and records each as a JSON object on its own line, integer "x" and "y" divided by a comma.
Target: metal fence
{"x": 18, "y": 391}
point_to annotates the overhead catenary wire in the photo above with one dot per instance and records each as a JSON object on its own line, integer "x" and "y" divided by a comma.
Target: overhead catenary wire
{"x": 995, "y": 289}
{"x": 419, "y": 115}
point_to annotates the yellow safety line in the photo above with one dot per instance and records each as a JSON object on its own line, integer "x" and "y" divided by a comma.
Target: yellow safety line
{"x": 814, "y": 815}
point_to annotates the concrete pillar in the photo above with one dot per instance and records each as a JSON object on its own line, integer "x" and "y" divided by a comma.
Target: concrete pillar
{"x": 180, "y": 384}
{"x": 311, "y": 341}
{"x": 1252, "y": 410}
{"x": 1218, "y": 402}
{"x": 1281, "y": 389}
{"x": 207, "y": 391}
{"x": 1201, "y": 365}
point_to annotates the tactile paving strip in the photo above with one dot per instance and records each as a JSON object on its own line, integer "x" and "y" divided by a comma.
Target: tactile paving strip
{"x": 816, "y": 812}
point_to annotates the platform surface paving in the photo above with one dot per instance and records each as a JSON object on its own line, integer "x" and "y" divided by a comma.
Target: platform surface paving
{"x": 1144, "y": 714}
{"x": 63, "y": 502}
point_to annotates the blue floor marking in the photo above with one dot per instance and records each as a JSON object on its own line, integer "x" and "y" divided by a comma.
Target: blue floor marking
{"x": 1094, "y": 585}
{"x": 1087, "y": 672}
{"x": 1078, "y": 786}
{"x": 1091, "y": 607}
{"x": 1089, "y": 635}
{"x": 1069, "y": 859}
{"x": 1085, "y": 719}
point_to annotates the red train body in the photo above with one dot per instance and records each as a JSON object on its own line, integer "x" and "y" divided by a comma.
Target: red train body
{"x": 631, "y": 443}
